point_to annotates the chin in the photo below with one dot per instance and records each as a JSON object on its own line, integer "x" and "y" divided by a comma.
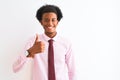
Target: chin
{"x": 51, "y": 32}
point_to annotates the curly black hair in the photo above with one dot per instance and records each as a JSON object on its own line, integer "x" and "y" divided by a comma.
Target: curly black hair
{"x": 48, "y": 8}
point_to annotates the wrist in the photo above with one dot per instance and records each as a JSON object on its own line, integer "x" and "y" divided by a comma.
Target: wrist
{"x": 29, "y": 53}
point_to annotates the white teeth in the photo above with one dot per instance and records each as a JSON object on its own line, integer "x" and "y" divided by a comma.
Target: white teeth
{"x": 50, "y": 27}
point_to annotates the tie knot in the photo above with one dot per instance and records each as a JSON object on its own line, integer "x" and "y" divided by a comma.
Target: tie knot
{"x": 50, "y": 41}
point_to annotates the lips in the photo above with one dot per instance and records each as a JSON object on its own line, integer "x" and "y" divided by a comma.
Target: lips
{"x": 49, "y": 28}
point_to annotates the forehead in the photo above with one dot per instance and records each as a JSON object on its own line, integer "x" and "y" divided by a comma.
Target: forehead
{"x": 49, "y": 15}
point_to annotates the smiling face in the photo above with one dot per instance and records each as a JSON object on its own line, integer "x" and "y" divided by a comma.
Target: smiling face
{"x": 49, "y": 22}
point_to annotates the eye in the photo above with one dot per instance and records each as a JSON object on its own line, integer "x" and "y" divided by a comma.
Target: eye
{"x": 53, "y": 20}
{"x": 45, "y": 20}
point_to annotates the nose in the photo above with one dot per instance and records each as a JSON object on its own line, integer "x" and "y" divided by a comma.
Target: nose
{"x": 50, "y": 23}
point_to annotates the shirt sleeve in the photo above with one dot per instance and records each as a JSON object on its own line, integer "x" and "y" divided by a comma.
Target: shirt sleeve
{"x": 70, "y": 61}
{"x": 21, "y": 60}
{"x": 18, "y": 64}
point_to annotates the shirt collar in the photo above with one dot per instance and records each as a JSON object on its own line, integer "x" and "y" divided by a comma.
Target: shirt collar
{"x": 46, "y": 38}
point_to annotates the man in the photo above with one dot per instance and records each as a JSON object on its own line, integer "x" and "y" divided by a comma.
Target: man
{"x": 37, "y": 48}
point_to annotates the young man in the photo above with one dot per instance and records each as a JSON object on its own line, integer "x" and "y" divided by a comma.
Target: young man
{"x": 38, "y": 49}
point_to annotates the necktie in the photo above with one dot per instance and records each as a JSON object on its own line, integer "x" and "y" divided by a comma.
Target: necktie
{"x": 51, "y": 70}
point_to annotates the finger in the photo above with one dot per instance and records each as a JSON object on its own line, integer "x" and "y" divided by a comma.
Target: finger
{"x": 37, "y": 38}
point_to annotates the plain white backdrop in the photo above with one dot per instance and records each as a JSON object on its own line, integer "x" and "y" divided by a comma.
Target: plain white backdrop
{"x": 93, "y": 26}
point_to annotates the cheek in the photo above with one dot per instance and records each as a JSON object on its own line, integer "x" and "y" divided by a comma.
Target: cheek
{"x": 43, "y": 24}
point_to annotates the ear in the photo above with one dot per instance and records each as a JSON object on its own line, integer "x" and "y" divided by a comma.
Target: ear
{"x": 57, "y": 21}
{"x": 40, "y": 22}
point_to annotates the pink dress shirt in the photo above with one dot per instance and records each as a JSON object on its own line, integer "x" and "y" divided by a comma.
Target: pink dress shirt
{"x": 64, "y": 59}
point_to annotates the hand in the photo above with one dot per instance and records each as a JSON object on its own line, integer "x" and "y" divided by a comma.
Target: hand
{"x": 38, "y": 47}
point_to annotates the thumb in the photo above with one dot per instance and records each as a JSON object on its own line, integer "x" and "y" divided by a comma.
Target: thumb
{"x": 37, "y": 38}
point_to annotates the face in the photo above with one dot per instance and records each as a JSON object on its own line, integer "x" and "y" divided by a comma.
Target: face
{"x": 49, "y": 22}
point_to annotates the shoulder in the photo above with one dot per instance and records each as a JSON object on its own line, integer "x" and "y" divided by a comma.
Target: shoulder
{"x": 64, "y": 40}
{"x": 32, "y": 38}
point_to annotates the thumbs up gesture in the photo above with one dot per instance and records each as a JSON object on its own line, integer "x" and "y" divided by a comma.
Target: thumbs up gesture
{"x": 38, "y": 47}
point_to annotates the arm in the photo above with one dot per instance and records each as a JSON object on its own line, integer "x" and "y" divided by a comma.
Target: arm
{"x": 33, "y": 47}
{"x": 70, "y": 63}
{"x": 21, "y": 60}
{"x": 19, "y": 63}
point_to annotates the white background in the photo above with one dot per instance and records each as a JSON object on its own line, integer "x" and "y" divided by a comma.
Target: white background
{"x": 93, "y": 26}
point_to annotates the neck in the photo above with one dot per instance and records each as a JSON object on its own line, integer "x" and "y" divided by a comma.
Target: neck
{"x": 51, "y": 35}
